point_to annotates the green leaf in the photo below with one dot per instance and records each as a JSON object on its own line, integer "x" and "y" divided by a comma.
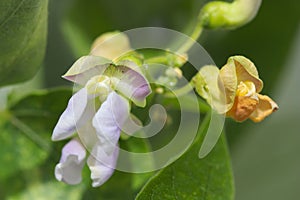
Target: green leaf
{"x": 138, "y": 145}
{"x": 118, "y": 187}
{"x": 23, "y": 26}
{"x": 187, "y": 104}
{"x": 50, "y": 191}
{"x": 25, "y": 130}
{"x": 192, "y": 178}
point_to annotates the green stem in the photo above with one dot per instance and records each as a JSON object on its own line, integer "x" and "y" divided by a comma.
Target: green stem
{"x": 193, "y": 38}
{"x": 31, "y": 134}
{"x": 3, "y": 97}
{"x": 180, "y": 91}
{"x": 158, "y": 59}
{"x": 183, "y": 49}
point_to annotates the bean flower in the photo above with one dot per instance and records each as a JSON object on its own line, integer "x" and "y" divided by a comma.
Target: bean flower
{"x": 95, "y": 115}
{"x": 234, "y": 90}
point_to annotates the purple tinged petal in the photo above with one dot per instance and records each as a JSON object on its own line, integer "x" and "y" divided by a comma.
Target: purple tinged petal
{"x": 134, "y": 86}
{"x": 109, "y": 120}
{"x": 68, "y": 121}
{"x": 71, "y": 163}
{"x": 101, "y": 164}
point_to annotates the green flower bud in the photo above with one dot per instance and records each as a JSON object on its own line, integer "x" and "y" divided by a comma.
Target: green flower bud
{"x": 220, "y": 14}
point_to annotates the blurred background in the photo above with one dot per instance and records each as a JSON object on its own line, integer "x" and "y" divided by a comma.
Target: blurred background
{"x": 265, "y": 156}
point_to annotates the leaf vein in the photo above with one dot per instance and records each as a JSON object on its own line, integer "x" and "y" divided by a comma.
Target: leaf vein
{"x": 26, "y": 41}
{"x": 12, "y": 13}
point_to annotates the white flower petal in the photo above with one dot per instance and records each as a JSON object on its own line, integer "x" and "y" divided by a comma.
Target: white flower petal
{"x": 109, "y": 120}
{"x": 68, "y": 121}
{"x": 71, "y": 163}
{"x": 101, "y": 164}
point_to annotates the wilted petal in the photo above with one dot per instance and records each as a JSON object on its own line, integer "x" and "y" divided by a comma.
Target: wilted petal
{"x": 229, "y": 81}
{"x": 208, "y": 85}
{"x": 71, "y": 163}
{"x": 66, "y": 125}
{"x": 238, "y": 69}
{"x": 133, "y": 85}
{"x": 109, "y": 120}
{"x": 246, "y": 71}
{"x": 265, "y": 107}
{"x": 101, "y": 164}
{"x": 242, "y": 108}
{"x": 111, "y": 45}
{"x": 85, "y": 68}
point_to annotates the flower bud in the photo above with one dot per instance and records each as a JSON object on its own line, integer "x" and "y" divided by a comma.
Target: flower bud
{"x": 219, "y": 14}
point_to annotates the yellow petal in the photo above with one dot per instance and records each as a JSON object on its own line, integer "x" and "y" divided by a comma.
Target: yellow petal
{"x": 229, "y": 80}
{"x": 246, "y": 71}
{"x": 265, "y": 107}
{"x": 111, "y": 45}
{"x": 238, "y": 69}
{"x": 242, "y": 108}
{"x": 207, "y": 85}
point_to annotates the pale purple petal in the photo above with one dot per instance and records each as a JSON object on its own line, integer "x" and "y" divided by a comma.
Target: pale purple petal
{"x": 71, "y": 163}
{"x": 101, "y": 164}
{"x": 85, "y": 68}
{"x": 66, "y": 125}
{"x": 134, "y": 86}
{"x": 109, "y": 120}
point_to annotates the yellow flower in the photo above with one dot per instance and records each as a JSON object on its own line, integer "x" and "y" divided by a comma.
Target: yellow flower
{"x": 234, "y": 90}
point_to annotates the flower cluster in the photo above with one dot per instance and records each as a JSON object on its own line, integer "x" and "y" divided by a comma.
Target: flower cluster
{"x": 96, "y": 114}
{"x": 111, "y": 80}
{"x": 235, "y": 90}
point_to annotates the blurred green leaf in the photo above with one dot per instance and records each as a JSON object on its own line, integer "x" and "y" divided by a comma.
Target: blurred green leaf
{"x": 118, "y": 187}
{"x": 50, "y": 191}
{"x": 192, "y": 178}
{"x": 23, "y": 26}
{"x": 17, "y": 151}
{"x": 26, "y": 128}
{"x": 138, "y": 145}
{"x": 187, "y": 104}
